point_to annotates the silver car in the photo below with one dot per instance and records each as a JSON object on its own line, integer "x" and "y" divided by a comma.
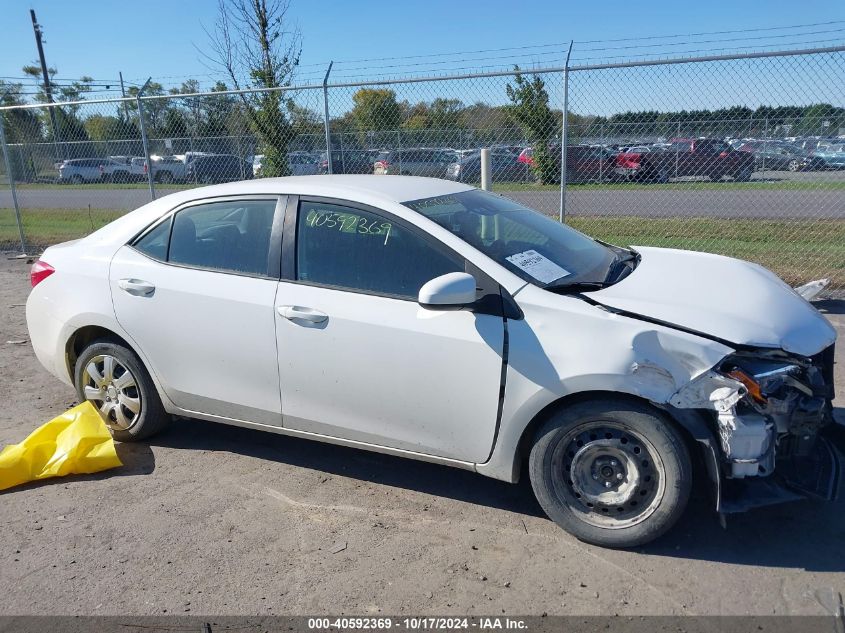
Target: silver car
{"x": 415, "y": 162}
{"x": 80, "y": 170}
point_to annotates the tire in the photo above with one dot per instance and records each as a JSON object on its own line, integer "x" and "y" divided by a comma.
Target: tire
{"x": 76, "y": 179}
{"x": 118, "y": 394}
{"x": 794, "y": 165}
{"x": 164, "y": 177}
{"x": 614, "y": 473}
{"x": 656, "y": 176}
{"x": 744, "y": 174}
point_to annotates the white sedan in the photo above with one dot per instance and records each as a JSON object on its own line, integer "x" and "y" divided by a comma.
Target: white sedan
{"x": 432, "y": 320}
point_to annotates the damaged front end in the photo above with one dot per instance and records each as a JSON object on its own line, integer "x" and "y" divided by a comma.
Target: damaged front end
{"x": 769, "y": 411}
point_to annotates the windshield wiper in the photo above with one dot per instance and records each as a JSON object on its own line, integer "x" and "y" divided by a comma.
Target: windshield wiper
{"x": 616, "y": 271}
{"x": 576, "y": 286}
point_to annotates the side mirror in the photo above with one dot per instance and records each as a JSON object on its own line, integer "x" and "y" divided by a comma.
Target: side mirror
{"x": 451, "y": 291}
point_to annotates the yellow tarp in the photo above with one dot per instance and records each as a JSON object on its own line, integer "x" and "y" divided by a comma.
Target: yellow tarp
{"x": 76, "y": 442}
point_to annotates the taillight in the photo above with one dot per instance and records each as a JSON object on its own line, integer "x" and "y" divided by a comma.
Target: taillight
{"x": 382, "y": 164}
{"x": 39, "y": 272}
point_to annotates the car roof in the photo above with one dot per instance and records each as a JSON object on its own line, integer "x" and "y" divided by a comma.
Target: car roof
{"x": 355, "y": 187}
{"x": 365, "y": 189}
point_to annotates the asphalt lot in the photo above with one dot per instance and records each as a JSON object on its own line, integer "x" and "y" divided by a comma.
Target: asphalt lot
{"x": 648, "y": 201}
{"x": 208, "y": 519}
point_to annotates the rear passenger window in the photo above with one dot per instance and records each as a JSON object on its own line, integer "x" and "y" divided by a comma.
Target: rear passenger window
{"x": 154, "y": 243}
{"x": 229, "y": 236}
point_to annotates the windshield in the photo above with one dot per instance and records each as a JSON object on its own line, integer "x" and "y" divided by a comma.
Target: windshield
{"x": 537, "y": 248}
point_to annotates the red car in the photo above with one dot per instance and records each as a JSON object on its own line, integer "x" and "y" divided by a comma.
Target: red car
{"x": 687, "y": 157}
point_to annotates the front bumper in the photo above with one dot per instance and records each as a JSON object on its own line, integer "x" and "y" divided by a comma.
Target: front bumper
{"x": 817, "y": 476}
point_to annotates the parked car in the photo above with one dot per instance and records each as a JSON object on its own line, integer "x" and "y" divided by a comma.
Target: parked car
{"x": 302, "y": 164}
{"x": 584, "y": 163}
{"x": 701, "y": 157}
{"x": 81, "y": 170}
{"x": 779, "y": 155}
{"x": 130, "y": 169}
{"x": 414, "y": 162}
{"x": 350, "y": 161}
{"x": 833, "y": 156}
{"x": 504, "y": 165}
{"x": 218, "y": 168}
{"x": 167, "y": 169}
{"x": 428, "y": 319}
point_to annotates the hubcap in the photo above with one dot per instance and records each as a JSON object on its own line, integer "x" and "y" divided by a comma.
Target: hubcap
{"x": 110, "y": 386}
{"x": 608, "y": 474}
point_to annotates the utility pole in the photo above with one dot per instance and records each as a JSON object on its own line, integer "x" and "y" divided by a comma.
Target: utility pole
{"x": 123, "y": 94}
{"x": 48, "y": 89}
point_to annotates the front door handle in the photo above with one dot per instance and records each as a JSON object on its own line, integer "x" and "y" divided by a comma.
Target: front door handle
{"x": 137, "y": 287}
{"x": 293, "y": 313}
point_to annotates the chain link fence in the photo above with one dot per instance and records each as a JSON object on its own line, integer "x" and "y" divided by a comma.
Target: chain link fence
{"x": 742, "y": 155}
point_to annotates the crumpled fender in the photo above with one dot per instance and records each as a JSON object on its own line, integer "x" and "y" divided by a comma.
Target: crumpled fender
{"x": 75, "y": 442}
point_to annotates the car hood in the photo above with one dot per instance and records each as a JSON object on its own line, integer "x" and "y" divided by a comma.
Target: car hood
{"x": 721, "y": 297}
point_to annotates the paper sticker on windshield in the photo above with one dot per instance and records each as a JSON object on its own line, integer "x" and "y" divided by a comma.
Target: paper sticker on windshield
{"x": 539, "y": 267}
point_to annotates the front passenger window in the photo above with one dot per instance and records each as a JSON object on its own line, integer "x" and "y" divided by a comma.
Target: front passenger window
{"x": 357, "y": 250}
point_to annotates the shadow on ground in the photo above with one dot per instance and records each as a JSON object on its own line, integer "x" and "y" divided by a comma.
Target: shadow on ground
{"x": 830, "y": 306}
{"x": 803, "y": 535}
{"x": 357, "y": 464}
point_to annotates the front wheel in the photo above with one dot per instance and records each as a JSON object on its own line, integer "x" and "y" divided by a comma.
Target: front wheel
{"x": 113, "y": 379}
{"x": 611, "y": 472}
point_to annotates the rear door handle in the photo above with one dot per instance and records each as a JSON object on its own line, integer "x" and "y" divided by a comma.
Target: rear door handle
{"x": 292, "y": 313}
{"x": 137, "y": 287}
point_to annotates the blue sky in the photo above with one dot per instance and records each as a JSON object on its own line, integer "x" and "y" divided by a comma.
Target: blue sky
{"x": 367, "y": 39}
{"x": 159, "y": 37}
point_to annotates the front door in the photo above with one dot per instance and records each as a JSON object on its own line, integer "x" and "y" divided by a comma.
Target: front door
{"x": 360, "y": 359}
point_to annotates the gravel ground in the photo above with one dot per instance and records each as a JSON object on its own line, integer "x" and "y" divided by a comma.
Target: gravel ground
{"x": 208, "y": 519}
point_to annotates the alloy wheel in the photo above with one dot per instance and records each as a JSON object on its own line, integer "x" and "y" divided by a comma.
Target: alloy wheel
{"x": 109, "y": 385}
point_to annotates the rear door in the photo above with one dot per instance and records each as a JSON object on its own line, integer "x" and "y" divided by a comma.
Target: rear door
{"x": 195, "y": 293}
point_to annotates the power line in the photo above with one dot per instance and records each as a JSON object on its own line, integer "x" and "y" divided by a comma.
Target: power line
{"x": 707, "y": 50}
{"x": 757, "y": 30}
{"x": 561, "y": 44}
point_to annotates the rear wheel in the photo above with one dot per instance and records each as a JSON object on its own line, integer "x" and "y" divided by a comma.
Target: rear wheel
{"x": 76, "y": 179}
{"x": 794, "y": 165}
{"x": 164, "y": 177}
{"x": 612, "y": 473}
{"x": 113, "y": 379}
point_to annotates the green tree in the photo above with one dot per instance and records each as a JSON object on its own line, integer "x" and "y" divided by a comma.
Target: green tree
{"x": 254, "y": 44}
{"x": 531, "y": 112}
{"x": 376, "y": 109}
{"x": 100, "y": 127}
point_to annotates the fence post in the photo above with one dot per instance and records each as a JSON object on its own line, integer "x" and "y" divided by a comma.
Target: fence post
{"x": 564, "y": 135}
{"x": 485, "y": 169}
{"x": 150, "y": 178}
{"x": 326, "y": 118}
{"x": 11, "y": 177}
